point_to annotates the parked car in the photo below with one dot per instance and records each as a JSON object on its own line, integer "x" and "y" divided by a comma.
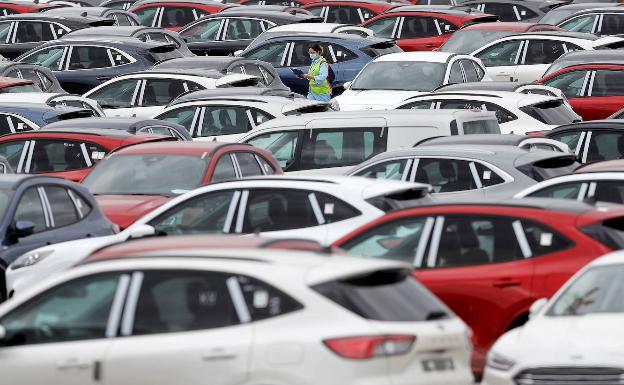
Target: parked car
{"x": 340, "y": 140}
{"x": 70, "y": 212}
{"x": 140, "y": 32}
{"x": 42, "y": 76}
{"x": 291, "y": 3}
{"x": 598, "y": 56}
{"x": 524, "y": 142}
{"x": 599, "y": 21}
{"x": 350, "y": 12}
{"x": 270, "y": 8}
{"x": 18, "y": 117}
{"x": 12, "y": 7}
{"x": 68, "y": 153}
{"x": 392, "y": 78}
{"x": 30, "y": 30}
{"x": 264, "y": 71}
{"x": 474, "y": 36}
{"x": 525, "y": 57}
{"x": 118, "y": 4}
{"x": 323, "y": 28}
{"x": 575, "y": 329}
{"x": 523, "y": 88}
{"x": 85, "y": 62}
{"x": 54, "y": 100}
{"x": 592, "y": 141}
{"x": 517, "y": 113}
{"x": 469, "y": 169}
{"x": 595, "y": 91}
{"x": 174, "y": 14}
{"x": 224, "y": 33}
{"x": 133, "y": 126}
{"x": 228, "y": 118}
{"x": 220, "y": 287}
{"x": 514, "y": 10}
{"x": 145, "y": 94}
{"x": 120, "y": 18}
{"x": 557, "y": 15}
{"x": 489, "y": 261}
{"x": 15, "y": 85}
{"x": 135, "y": 180}
{"x": 415, "y": 29}
{"x": 347, "y": 55}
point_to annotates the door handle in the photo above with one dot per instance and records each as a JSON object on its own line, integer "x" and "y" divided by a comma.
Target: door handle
{"x": 219, "y": 354}
{"x": 73, "y": 364}
{"x": 506, "y": 282}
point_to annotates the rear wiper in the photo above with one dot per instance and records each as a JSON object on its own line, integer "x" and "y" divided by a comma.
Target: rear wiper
{"x": 436, "y": 315}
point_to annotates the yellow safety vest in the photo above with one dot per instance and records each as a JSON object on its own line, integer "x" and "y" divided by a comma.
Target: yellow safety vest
{"x": 314, "y": 70}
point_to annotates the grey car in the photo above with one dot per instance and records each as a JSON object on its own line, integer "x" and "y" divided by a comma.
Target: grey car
{"x": 469, "y": 170}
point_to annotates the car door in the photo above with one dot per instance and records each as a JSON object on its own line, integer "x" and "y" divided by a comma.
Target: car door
{"x": 479, "y": 266}
{"x": 156, "y": 93}
{"x": 148, "y": 16}
{"x": 574, "y": 86}
{"x": 605, "y": 94}
{"x": 286, "y": 147}
{"x": 423, "y": 33}
{"x": 118, "y": 98}
{"x": 194, "y": 321}
{"x": 203, "y": 36}
{"x": 62, "y": 335}
{"x": 501, "y": 59}
{"x": 537, "y": 56}
{"x": 52, "y": 58}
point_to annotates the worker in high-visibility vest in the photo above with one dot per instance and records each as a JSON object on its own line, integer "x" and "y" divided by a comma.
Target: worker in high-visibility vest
{"x": 317, "y": 75}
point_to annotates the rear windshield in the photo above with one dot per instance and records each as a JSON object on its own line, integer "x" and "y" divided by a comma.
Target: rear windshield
{"x": 610, "y": 233}
{"x": 554, "y": 112}
{"x": 386, "y": 295}
{"x": 550, "y": 168}
{"x": 466, "y": 41}
{"x": 380, "y": 49}
{"x": 172, "y": 54}
{"x": 489, "y": 126}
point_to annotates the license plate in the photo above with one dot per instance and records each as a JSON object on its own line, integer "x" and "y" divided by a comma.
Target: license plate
{"x": 438, "y": 364}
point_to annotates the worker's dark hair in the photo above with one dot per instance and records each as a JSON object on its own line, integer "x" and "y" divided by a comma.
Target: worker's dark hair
{"x": 317, "y": 48}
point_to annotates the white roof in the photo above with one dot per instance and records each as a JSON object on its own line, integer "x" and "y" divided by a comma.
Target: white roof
{"x": 586, "y": 176}
{"x": 613, "y": 258}
{"x": 312, "y": 27}
{"x": 500, "y": 97}
{"x": 429, "y": 56}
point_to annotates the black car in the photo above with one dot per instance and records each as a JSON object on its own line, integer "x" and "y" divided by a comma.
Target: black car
{"x": 140, "y": 32}
{"x": 513, "y": 10}
{"x": 228, "y": 64}
{"x": 118, "y": 4}
{"x": 39, "y": 210}
{"x": 131, "y": 125}
{"x": 592, "y": 141}
{"x": 120, "y": 17}
{"x": 42, "y": 76}
{"x": 87, "y": 61}
{"x": 28, "y": 30}
{"x": 18, "y": 117}
{"x": 232, "y": 30}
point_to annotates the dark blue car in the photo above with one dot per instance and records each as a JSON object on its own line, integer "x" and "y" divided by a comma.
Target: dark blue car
{"x": 84, "y": 62}
{"x": 38, "y": 211}
{"x": 347, "y": 54}
{"x": 19, "y": 117}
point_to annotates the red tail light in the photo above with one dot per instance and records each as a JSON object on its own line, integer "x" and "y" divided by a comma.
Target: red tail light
{"x": 536, "y": 133}
{"x": 364, "y": 347}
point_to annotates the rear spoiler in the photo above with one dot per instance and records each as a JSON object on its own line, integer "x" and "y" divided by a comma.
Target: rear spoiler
{"x": 482, "y": 19}
{"x": 162, "y": 48}
{"x": 315, "y": 19}
{"x": 100, "y": 22}
{"x": 78, "y": 113}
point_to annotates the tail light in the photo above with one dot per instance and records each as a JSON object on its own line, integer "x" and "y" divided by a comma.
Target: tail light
{"x": 365, "y": 347}
{"x": 535, "y": 133}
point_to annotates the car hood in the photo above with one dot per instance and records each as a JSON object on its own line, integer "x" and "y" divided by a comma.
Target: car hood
{"x": 373, "y": 99}
{"x": 123, "y": 210}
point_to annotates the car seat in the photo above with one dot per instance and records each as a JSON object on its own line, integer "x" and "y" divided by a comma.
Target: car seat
{"x": 98, "y": 58}
{"x": 607, "y": 193}
{"x": 27, "y": 34}
{"x": 148, "y": 318}
{"x": 227, "y": 127}
{"x": 415, "y": 28}
{"x": 175, "y": 89}
{"x": 341, "y": 16}
{"x": 449, "y": 250}
{"x": 277, "y": 214}
{"x": 506, "y": 247}
{"x": 73, "y": 158}
{"x": 149, "y": 96}
{"x": 324, "y": 153}
{"x": 209, "y": 304}
{"x": 474, "y": 254}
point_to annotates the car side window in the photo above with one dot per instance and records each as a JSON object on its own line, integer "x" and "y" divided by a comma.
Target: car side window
{"x": 264, "y": 301}
{"x": 333, "y": 209}
{"x": 300, "y": 56}
{"x": 543, "y": 240}
{"x": 419, "y": 105}
{"x": 470, "y": 70}
{"x": 342, "y": 147}
{"x": 455, "y": 75}
{"x": 254, "y": 70}
{"x": 224, "y": 169}
{"x": 266, "y": 166}
{"x": 5, "y": 28}
{"x": 344, "y": 15}
{"x": 417, "y": 27}
{"x": 182, "y": 116}
{"x": 583, "y": 23}
{"x": 73, "y": 311}
{"x": 33, "y": 31}
{"x": 282, "y": 144}
{"x": 504, "y": 11}
{"x": 30, "y": 209}
{"x": 146, "y": 15}
{"x": 10, "y": 124}
{"x": 224, "y": 120}
{"x": 89, "y": 57}
{"x": 62, "y": 206}
{"x": 277, "y": 210}
{"x": 203, "y": 31}
{"x": 178, "y": 301}
{"x": 569, "y": 138}
{"x": 118, "y": 58}
{"x": 11, "y": 150}
{"x": 570, "y": 83}
{"x": 272, "y": 53}
{"x": 609, "y": 191}
{"x": 543, "y": 51}
{"x": 501, "y": 54}
{"x": 339, "y": 54}
{"x": 243, "y": 29}
{"x": 63, "y": 155}
{"x": 159, "y": 92}
{"x": 392, "y": 169}
{"x": 121, "y": 19}
{"x": 248, "y": 164}
{"x": 80, "y": 203}
{"x": 258, "y": 116}
{"x": 524, "y": 13}
{"x": 608, "y": 83}
{"x": 48, "y": 57}
{"x": 471, "y": 241}
{"x": 117, "y": 94}
{"x": 445, "y": 175}
{"x": 568, "y": 190}
{"x": 176, "y": 16}
{"x": 383, "y": 27}
{"x": 605, "y": 146}
{"x": 612, "y": 24}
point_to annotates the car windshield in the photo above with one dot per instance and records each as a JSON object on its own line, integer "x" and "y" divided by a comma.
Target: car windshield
{"x": 20, "y": 88}
{"x": 599, "y": 290}
{"x": 556, "y": 16}
{"x": 148, "y": 174}
{"x": 466, "y": 42}
{"x": 400, "y": 76}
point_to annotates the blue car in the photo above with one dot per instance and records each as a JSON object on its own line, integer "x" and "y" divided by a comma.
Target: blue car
{"x": 39, "y": 210}
{"x": 347, "y": 54}
{"x": 84, "y": 62}
{"x": 19, "y": 117}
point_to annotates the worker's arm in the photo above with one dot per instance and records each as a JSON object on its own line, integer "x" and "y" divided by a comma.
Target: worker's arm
{"x": 318, "y": 79}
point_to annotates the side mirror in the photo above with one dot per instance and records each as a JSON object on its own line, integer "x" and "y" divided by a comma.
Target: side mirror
{"x": 346, "y": 85}
{"x": 238, "y": 53}
{"x": 23, "y": 229}
{"x": 140, "y": 231}
{"x": 537, "y": 306}
{"x": 2, "y": 333}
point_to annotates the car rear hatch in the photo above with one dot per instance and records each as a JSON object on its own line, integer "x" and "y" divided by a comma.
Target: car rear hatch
{"x": 237, "y": 80}
{"x": 304, "y": 106}
{"x": 554, "y": 112}
{"x": 67, "y": 114}
{"x": 540, "y": 165}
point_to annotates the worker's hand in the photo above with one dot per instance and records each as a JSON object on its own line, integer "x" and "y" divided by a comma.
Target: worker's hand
{"x": 307, "y": 76}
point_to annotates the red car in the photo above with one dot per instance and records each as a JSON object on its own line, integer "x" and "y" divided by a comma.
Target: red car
{"x": 174, "y": 14}
{"x": 350, "y": 12}
{"x": 415, "y": 29}
{"x": 13, "y": 7}
{"x": 616, "y": 165}
{"x": 15, "y": 85}
{"x": 291, "y": 3}
{"x": 474, "y": 36}
{"x": 135, "y": 180}
{"x": 490, "y": 261}
{"x": 67, "y": 153}
{"x": 595, "y": 91}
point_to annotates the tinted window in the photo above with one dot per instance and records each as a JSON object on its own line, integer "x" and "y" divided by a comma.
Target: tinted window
{"x": 421, "y": 105}
{"x": 278, "y": 209}
{"x": 605, "y": 146}
{"x": 183, "y": 116}
{"x": 264, "y": 301}
{"x": 56, "y": 156}
{"x": 333, "y": 209}
{"x": 176, "y": 16}
{"x": 159, "y": 92}
{"x": 63, "y": 209}
{"x": 243, "y": 29}
{"x": 608, "y": 83}
{"x": 445, "y": 175}
{"x": 89, "y": 58}
{"x": 393, "y": 169}
{"x": 224, "y": 120}
{"x": 30, "y": 31}
{"x": 610, "y": 191}
{"x": 383, "y": 27}
{"x": 30, "y": 209}
{"x": 415, "y": 27}
{"x": 580, "y": 24}
{"x": 339, "y": 54}
{"x": 471, "y": 71}
{"x": 272, "y": 53}
{"x": 345, "y": 15}
{"x": 543, "y": 51}
{"x": 177, "y": 301}
{"x": 570, "y": 83}
{"x": 224, "y": 170}
{"x": 204, "y": 31}
{"x": 77, "y": 310}
{"x": 282, "y": 144}
{"x": 266, "y": 166}
{"x": 504, "y": 11}
{"x": 543, "y": 240}
{"x": 401, "y": 76}
{"x": 12, "y": 124}
{"x": 487, "y": 176}
{"x": 554, "y": 112}
{"x": 501, "y": 54}
{"x": 248, "y": 164}
{"x": 524, "y": 12}
{"x": 49, "y": 58}
{"x": 612, "y": 24}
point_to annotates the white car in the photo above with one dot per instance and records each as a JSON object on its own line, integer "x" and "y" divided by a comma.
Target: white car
{"x": 525, "y": 57}
{"x": 575, "y": 338}
{"x": 598, "y": 186}
{"x": 389, "y": 79}
{"x": 232, "y": 315}
{"x": 228, "y": 118}
{"x": 319, "y": 209}
{"x": 145, "y": 94}
{"x": 54, "y": 99}
{"x": 517, "y": 113}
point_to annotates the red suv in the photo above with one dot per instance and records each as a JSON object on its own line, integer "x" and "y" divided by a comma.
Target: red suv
{"x": 135, "y": 180}
{"x": 350, "y": 12}
{"x": 595, "y": 91}
{"x": 490, "y": 261}
{"x": 417, "y": 30}
{"x": 174, "y": 14}
{"x": 13, "y": 7}
{"x": 68, "y": 153}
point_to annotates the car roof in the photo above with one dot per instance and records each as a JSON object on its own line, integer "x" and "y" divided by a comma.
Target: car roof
{"x": 233, "y": 92}
{"x": 616, "y": 165}
{"x": 199, "y": 148}
{"x": 372, "y": 2}
{"x": 105, "y": 123}
{"x": 499, "y": 96}
{"x": 446, "y": 11}
{"x": 128, "y": 30}
{"x": 204, "y": 2}
{"x": 598, "y": 10}
{"x": 275, "y": 100}
{"x": 581, "y": 6}
{"x": 481, "y": 86}
{"x": 100, "y": 40}
{"x": 323, "y": 35}
{"x": 54, "y": 17}
{"x": 272, "y": 14}
{"x": 40, "y": 107}
{"x": 512, "y": 26}
{"x": 80, "y": 10}
{"x": 200, "y": 62}
{"x": 110, "y": 133}
{"x": 605, "y": 124}
{"x": 478, "y": 139}
{"x": 428, "y": 56}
